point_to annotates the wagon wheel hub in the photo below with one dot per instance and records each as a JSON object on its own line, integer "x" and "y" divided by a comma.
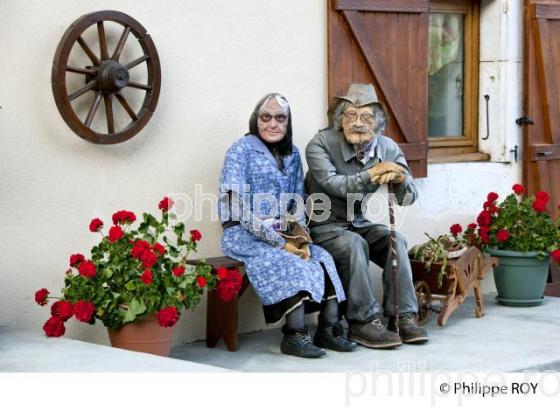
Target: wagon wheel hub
{"x": 112, "y": 76}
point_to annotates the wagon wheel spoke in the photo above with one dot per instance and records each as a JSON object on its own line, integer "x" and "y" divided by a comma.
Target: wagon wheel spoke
{"x": 79, "y": 70}
{"x": 93, "y": 109}
{"x": 120, "y": 44}
{"x": 139, "y": 86}
{"x": 109, "y": 113}
{"x": 125, "y": 105}
{"x": 82, "y": 90}
{"x": 88, "y": 51}
{"x": 134, "y": 63}
{"x": 102, "y": 41}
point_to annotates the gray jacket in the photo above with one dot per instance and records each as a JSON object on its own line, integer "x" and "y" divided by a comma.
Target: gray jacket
{"x": 335, "y": 171}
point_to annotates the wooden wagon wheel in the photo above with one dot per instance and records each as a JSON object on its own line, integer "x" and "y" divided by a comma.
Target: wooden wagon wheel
{"x": 106, "y": 77}
{"x": 424, "y": 297}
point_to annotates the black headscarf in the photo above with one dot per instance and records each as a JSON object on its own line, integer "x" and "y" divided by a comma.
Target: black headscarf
{"x": 283, "y": 147}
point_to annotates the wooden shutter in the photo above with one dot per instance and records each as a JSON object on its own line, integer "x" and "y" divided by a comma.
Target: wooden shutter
{"x": 541, "y": 103}
{"x": 385, "y": 42}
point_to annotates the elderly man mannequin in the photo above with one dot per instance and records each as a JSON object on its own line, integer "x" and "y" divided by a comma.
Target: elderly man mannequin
{"x": 349, "y": 158}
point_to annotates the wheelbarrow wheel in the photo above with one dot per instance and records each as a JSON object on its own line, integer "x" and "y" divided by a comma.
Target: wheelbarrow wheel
{"x": 424, "y": 297}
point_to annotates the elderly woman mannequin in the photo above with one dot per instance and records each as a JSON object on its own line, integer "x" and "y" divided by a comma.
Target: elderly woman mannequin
{"x": 260, "y": 171}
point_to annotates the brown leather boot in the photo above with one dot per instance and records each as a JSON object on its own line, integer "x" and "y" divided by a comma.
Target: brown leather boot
{"x": 409, "y": 331}
{"x": 372, "y": 334}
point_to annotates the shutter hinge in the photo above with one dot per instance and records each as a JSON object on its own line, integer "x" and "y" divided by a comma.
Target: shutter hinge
{"x": 525, "y": 120}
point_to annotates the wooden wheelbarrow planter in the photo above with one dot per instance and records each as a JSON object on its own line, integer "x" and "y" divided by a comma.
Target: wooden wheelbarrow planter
{"x": 462, "y": 275}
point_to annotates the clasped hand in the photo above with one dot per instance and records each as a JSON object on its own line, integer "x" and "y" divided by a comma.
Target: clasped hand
{"x": 386, "y": 172}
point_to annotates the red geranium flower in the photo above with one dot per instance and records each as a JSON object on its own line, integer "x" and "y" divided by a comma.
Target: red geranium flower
{"x": 84, "y": 310}
{"x": 41, "y": 296}
{"x": 62, "y": 309}
{"x": 148, "y": 259}
{"x": 221, "y": 272}
{"x": 178, "y": 270}
{"x": 158, "y": 247}
{"x": 484, "y": 218}
{"x": 556, "y": 255}
{"x": 539, "y": 206}
{"x": 123, "y": 217}
{"x": 518, "y": 189}
{"x": 472, "y": 226}
{"x": 456, "y": 229}
{"x": 168, "y": 316}
{"x": 95, "y": 225}
{"x": 146, "y": 277}
{"x": 492, "y": 196}
{"x": 165, "y": 204}
{"x": 76, "y": 259}
{"x": 195, "y": 235}
{"x": 493, "y": 209}
{"x": 201, "y": 281}
{"x": 87, "y": 269}
{"x": 54, "y": 327}
{"x": 229, "y": 287}
{"x": 115, "y": 233}
{"x": 542, "y": 196}
{"x": 502, "y": 235}
{"x": 140, "y": 246}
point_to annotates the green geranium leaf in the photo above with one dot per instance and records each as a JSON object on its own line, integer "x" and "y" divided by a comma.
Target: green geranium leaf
{"x": 129, "y": 316}
{"x": 137, "y": 306}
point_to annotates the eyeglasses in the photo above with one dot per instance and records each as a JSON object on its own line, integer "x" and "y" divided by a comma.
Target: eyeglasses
{"x": 365, "y": 116}
{"x": 266, "y": 117}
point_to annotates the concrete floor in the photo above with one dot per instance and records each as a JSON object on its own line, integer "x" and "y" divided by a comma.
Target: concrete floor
{"x": 505, "y": 339}
{"x": 25, "y": 351}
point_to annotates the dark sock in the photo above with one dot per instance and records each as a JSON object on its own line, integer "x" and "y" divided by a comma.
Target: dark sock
{"x": 296, "y": 318}
{"x": 329, "y": 312}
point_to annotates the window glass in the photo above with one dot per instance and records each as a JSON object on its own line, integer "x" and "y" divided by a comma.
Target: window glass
{"x": 446, "y": 75}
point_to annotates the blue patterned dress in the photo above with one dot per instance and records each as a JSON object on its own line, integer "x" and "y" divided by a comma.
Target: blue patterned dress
{"x": 275, "y": 274}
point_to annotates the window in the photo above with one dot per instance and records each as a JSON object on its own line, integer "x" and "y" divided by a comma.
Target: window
{"x": 453, "y": 81}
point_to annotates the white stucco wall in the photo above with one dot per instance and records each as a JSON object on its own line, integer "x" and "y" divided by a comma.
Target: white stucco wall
{"x": 218, "y": 58}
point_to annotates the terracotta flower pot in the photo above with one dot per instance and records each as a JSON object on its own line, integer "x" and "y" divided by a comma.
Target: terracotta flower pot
{"x": 144, "y": 335}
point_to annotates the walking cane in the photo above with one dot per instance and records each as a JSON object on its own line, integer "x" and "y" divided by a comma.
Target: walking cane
{"x": 393, "y": 254}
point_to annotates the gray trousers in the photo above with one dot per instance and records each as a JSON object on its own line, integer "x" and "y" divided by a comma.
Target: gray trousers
{"x": 352, "y": 248}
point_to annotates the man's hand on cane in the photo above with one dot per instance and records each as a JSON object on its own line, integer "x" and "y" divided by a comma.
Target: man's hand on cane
{"x": 386, "y": 172}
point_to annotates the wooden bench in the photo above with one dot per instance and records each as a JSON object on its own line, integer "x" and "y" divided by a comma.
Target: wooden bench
{"x": 222, "y": 317}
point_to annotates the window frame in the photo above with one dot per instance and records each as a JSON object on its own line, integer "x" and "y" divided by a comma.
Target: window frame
{"x": 465, "y": 147}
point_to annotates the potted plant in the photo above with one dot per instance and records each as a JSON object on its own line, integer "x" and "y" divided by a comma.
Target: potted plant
{"x": 521, "y": 232}
{"x": 437, "y": 250}
{"x": 440, "y": 249}
{"x": 137, "y": 281}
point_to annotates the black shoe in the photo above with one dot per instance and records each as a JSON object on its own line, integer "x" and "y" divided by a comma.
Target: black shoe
{"x": 409, "y": 331}
{"x": 372, "y": 334}
{"x": 332, "y": 337}
{"x": 297, "y": 342}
